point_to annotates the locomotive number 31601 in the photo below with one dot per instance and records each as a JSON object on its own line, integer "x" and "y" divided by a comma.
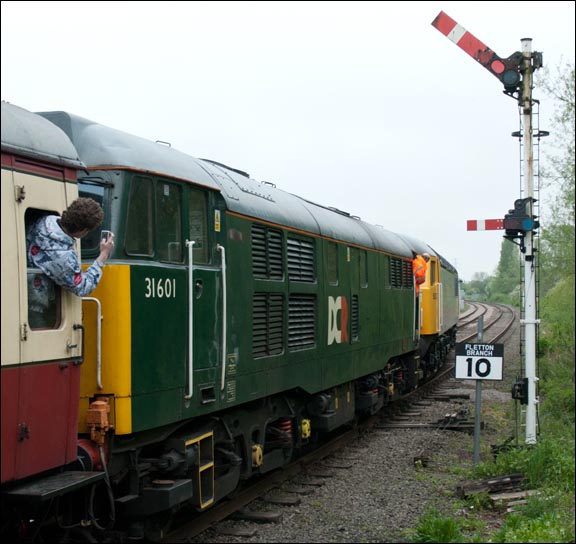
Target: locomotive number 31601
{"x": 160, "y": 287}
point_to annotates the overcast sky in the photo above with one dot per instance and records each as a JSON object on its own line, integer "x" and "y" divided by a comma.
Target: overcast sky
{"x": 359, "y": 105}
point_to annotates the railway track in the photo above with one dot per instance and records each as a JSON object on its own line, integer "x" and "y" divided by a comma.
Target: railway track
{"x": 498, "y": 317}
{"x": 308, "y": 473}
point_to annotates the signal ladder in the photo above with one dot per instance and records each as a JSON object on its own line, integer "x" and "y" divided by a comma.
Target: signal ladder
{"x": 537, "y": 134}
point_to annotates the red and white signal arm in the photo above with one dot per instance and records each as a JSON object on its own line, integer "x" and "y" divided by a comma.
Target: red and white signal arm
{"x": 484, "y": 224}
{"x": 479, "y": 361}
{"x": 506, "y": 70}
{"x": 463, "y": 39}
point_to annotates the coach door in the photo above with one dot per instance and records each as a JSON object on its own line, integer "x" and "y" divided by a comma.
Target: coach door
{"x": 48, "y": 341}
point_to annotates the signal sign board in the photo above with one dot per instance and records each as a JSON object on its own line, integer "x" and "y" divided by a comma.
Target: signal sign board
{"x": 479, "y": 361}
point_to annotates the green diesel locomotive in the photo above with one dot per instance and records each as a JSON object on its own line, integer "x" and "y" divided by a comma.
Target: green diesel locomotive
{"x": 236, "y": 324}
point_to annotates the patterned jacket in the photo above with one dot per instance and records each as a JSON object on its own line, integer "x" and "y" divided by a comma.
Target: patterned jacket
{"x": 51, "y": 250}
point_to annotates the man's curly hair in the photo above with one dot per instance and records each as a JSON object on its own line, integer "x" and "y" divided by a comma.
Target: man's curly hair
{"x": 83, "y": 213}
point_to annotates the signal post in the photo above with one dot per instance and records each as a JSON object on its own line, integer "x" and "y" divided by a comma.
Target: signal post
{"x": 530, "y": 313}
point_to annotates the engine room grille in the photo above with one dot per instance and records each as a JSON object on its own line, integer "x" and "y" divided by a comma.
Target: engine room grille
{"x": 395, "y": 272}
{"x": 400, "y": 273}
{"x": 267, "y": 324}
{"x": 267, "y": 251}
{"x": 354, "y": 319}
{"x": 300, "y": 256}
{"x": 407, "y": 275}
{"x": 301, "y": 321}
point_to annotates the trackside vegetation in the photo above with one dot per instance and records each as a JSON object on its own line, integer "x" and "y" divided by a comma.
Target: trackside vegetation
{"x": 549, "y": 464}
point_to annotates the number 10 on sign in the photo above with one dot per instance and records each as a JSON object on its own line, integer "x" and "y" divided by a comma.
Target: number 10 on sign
{"x": 479, "y": 361}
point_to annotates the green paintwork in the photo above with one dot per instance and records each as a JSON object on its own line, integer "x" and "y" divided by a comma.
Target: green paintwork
{"x": 159, "y": 365}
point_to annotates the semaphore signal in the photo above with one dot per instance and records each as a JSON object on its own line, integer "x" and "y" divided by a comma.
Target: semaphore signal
{"x": 506, "y": 70}
{"x": 515, "y": 72}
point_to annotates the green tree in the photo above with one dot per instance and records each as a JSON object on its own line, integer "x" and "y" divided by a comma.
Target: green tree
{"x": 557, "y": 240}
{"x": 557, "y": 251}
{"x": 477, "y": 287}
{"x": 505, "y": 285}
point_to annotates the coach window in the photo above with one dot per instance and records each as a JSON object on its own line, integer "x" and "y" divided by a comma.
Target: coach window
{"x": 140, "y": 218}
{"x": 44, "y": 296}
{"x": 332, "y": 263}
{"x": 169, "y": 222}
{"x": 197, "y": 219}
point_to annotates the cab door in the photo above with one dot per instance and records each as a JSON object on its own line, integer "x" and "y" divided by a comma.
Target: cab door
{"x": 431, "y": 296}
{"x": 206, "y": 260}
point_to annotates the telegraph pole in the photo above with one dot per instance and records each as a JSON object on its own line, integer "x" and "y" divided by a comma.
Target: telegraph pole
{"x": 515, "y": 72}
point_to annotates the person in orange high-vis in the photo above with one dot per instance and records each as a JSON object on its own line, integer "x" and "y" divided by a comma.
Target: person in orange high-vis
{"x": 420, "y": 266}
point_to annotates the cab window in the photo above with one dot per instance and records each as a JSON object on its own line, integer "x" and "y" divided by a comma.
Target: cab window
{"x": 140, "y": 220}
{"x": 169, "y": 222}
{"x": 91, "y": 242}
{"x": 198, "y": 225}
{"x": 432, "y": 267}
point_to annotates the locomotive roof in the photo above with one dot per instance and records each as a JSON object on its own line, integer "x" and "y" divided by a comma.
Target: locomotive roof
{"x": 104, "y": 147}
{"x": 26, "y": 133}
{"x": 420, "y": 247}
{"x": 100, "y": 146}
{"x": 265, "y": 201}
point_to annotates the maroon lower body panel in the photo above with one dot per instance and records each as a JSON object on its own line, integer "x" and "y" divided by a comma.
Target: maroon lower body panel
{"x": 39, "y": 417}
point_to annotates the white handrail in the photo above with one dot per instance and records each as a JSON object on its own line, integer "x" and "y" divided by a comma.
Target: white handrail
{"x": 98, "y": 339}
{"x": 190, "y": 246}
{"x": 224, "y": 315}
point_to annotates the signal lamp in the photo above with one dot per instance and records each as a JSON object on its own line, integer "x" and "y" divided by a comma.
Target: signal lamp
{"x": 519, "y": 220}
{"x": 497, "y": 66}
{"x": 511, "y": 79}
